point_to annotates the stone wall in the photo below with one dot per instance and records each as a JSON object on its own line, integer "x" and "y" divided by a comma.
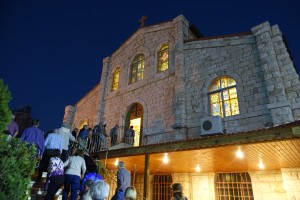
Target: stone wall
{"x": 268, "y": 185}
{"x": 87, "y": 109}
{"x": 282, "y": 81}
{"x": 238, "y": 58}
{"x": 196, "y": 185}
{"x": 139, "y": 186}
{"x": 69, "y": 115}
{"x": 158, "y": 93}
{"x": 273, "y": 184}
{"x": 267, "y": 84}
{"x": 291, "y": 182}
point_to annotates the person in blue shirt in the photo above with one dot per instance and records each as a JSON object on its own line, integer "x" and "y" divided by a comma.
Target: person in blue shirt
{"x": 53, "y": 142}
{"x": 34, "y": 136}
{"x": 82, "y": 137}
{"x": 123, "y": 182}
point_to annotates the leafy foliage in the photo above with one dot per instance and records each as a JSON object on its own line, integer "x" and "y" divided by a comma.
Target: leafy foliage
{"x": 5, "y": 112}
{"x": 17, "y": 165}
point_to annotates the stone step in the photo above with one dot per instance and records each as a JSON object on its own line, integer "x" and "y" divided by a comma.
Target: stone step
{"x": 37, "y": 189}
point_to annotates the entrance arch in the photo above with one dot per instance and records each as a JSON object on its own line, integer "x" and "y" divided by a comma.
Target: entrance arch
{"x": 81, "y": 123}
{"x": 134, "y": 117}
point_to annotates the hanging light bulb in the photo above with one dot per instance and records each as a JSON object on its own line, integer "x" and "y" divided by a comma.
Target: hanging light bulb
{"x": 198, "y": 168}
{"x": 117, "y": 162}
{"x": 261, "y": 164}
{"x": 166, "y": 158}
{"x": 239, "y": 154}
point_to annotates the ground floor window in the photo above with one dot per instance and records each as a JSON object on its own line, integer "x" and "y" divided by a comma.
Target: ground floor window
{"x": 162, "y": 187}
{"x": 233, "y": 186}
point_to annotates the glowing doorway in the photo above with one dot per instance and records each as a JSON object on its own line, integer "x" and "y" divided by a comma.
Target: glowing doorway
{"x": 82, "y": 123}
{"x": 134, "y": 117}
{"x": 136, "y": 123}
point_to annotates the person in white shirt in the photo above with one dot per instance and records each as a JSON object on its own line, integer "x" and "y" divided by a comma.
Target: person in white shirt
{"x": 66, "y": 136}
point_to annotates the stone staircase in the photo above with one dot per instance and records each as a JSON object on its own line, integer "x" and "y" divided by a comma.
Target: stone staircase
{"x": 37, "y": 189}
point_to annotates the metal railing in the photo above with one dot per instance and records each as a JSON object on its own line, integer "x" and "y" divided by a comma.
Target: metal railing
{"x": 98, "y": 142}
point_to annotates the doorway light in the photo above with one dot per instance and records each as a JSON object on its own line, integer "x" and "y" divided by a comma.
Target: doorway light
{"x": 166, "y": 158}
{"x": 239, "y": 154}
{"x": 117, "y": 162}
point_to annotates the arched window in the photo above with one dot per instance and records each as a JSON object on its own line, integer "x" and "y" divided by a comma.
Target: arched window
{"x": 137, "y": 68}
{"x": 163, "y": 58}
{"x": 115, "y": 79}
{"x": 223, "y": 97}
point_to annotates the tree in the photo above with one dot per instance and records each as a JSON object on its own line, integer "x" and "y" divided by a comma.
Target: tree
{"x": 17, "y": 165}
{"x": 5, "y": 113}
{"x": 17, "y": 161}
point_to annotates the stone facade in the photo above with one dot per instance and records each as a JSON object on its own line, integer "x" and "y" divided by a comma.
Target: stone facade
{"x": 277, "y": 184}
{"x": 85, "y": 111}
{"x": 267, "y": 85}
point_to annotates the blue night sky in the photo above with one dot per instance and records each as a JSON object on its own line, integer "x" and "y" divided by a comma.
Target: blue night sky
{"x": 51, "y": 51}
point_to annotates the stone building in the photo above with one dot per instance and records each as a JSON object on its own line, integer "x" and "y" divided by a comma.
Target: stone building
{"x": 178, "y": 89}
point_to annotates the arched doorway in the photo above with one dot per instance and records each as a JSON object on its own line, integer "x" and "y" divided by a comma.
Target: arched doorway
{"x": 134, "y": 118}
{"x": 81, "y": 123}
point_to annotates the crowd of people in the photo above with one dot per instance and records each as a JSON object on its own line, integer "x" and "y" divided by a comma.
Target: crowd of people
{"x": 78, "y": 172}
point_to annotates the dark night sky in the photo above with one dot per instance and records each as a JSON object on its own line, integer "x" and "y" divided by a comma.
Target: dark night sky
{"x": 51, "y": 51}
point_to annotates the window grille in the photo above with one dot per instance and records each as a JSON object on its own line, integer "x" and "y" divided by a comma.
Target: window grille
{"x": 233, "y": 186}
{"x": 162, "y": 187}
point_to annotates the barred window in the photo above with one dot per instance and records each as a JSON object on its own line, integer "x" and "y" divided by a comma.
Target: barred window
{"x": 115, "y": 79}
{"x": 162, "y": 187}
{"x": 233, "y": 186}
{"x": 163, "y": 58}
{"x": 137, "y": 68}
{"x": 223, "y": 97}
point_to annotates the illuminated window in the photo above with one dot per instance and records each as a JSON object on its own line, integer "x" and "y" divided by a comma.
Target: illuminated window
{"x": 163, "y": 58}
{"x": 115, "y": 79}
{"x": 137, "y": 68}
{"x": 223, "y": 97}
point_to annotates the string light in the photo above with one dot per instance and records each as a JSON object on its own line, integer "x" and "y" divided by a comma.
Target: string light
{"x": 166, "y": 159}
{"x": 198, "y": 168}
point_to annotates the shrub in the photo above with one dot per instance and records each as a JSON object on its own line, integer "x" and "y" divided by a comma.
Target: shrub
{"x": 5, "y": 112}
{"x": 17, "y": 165}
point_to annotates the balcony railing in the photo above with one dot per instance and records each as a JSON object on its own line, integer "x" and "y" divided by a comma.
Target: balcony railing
{"x": 98, "y": 142}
